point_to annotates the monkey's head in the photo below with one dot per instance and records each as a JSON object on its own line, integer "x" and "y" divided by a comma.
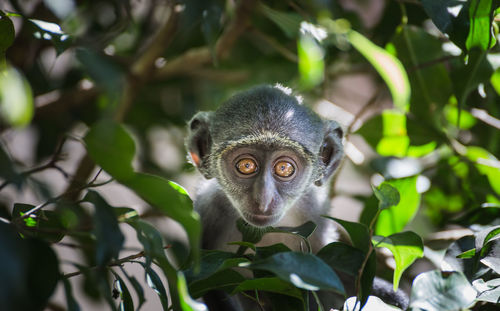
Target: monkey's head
{"x": 265, "y": 149}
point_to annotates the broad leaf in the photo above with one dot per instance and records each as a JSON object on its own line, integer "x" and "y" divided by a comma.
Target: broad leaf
{"x": 394, "y": 219}
{"x": 342, "y": 257}
{"x": 372, "y": 304}
{"x": 387, "y": 195}
{"x": 302, "y": 270}
{"x": 16, "y": 98}
{"x": 406, "y": 248}
{"x": 480, "y": 30}
{"x": 488, "y": 291}
{"x": 359, "y": 234}
{"x": 388, "y": 66}
{"x": 274, "y": 285}
{"x": 108, "y": 234}
{"x": 441, "y": 291}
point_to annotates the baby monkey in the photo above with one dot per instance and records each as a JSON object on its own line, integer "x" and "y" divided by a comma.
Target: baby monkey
{"x": 268, "y": 160}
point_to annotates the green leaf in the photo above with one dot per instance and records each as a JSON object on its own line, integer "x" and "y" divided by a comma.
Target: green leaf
{"x": 441, "y": 291}
{"x": 395, "y": 141}
{"x": 311, "y": 62}
{"x": 126, "y": 302}
{"x": 16, "y": 98}
{"x": 451, "y": 17}
{"x": 367, "y": 278}
{"x": 495, "y": 81}
{"x": 212, "y": 262}
{"x": 480, "y": 30}
{"x": 46, "y": 225}
{"x": 387, "y": 195}
{"x": 406, "y": 247}
{"x": 272, "y": 284}
{"x": 288, "y": 22}
{"x": 394, "y": 219}
{"x": 71, "y": 303}
{"x": 30, "y": 271}
{"x": 108, "y": 234}
{"x": 187, "y": 303}
{"x": 388, "y": 67}
{"x": 154, "y": 281}
{"x": 112, "y": 148}
{"x": 342, "y": 257}
{"x": 491, "y": 257}
{"x": 305, "y": 230}
{"x": 137, "y": 287}
{"x": 488, "y": 291}
{"x": 225, "y": 280}
{"x": 7, "y": 35}
{"x": 487, "y": 164}
{"x": 103, "y": 70}
{"x": 302, "y": 270}
{"x": 359, "y": 233}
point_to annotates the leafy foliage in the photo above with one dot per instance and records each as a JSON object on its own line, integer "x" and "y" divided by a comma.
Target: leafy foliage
{"x": 119, "y": 78}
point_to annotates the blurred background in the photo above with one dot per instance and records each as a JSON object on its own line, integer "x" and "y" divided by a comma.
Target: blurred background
{"x": 153, "y": 64}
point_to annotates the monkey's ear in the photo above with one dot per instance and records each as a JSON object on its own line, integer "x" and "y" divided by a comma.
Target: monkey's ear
{"x": 199, "y": 142}
{"x": 331, "y": 151}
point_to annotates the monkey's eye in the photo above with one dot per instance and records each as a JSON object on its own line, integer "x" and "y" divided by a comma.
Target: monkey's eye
{"x": 246, "y": 166}
{"x": 284, "y": 169}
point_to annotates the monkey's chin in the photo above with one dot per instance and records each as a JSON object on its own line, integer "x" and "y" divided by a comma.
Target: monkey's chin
{"x": 262, "y": 220}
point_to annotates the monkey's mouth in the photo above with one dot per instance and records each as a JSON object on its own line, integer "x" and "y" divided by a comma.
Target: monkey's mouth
{"x": 260, "y": 220}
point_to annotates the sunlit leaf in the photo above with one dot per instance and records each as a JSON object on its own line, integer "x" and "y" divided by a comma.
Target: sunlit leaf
{"x": 406, "y": 248}
{"x": 489, "y": 291}
{"x": 480, "y": 30}
{"x": 487, "y": 164}
{"x": 302, "y": 270}
{"x": 441, "y": 291}
{"x": 46, "y": 225}
{"x": 16, "y": 99}
{"x": 388, "y": 66}
{"x": 311, "y": 62}
{"x": 495, "y": 81}
{"x": 187, "y": 303}
{"x": 394, "y": 219}
{"x": 466, "y": 119}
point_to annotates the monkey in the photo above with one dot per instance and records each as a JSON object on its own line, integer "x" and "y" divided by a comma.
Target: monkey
{"x": 269, "y": 160}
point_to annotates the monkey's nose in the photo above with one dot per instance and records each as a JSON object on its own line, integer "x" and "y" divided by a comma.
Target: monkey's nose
{"x": 266, "y": 207}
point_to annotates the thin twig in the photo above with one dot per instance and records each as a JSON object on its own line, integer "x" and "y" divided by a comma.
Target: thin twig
{"x": 115, "y": 263}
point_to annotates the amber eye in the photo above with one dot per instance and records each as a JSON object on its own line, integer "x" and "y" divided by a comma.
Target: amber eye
{"x": 284, "y": 169}
{"x": 246, "y": 166}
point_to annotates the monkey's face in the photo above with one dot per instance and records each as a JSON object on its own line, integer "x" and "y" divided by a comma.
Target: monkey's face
{"x": 263, "y": 183}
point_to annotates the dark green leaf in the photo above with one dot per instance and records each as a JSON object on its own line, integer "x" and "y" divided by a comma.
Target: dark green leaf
{"x": 288, "y": 22}
{"x": 359, "y": 233}
{"x": 71, "y": 303}
{"x": 274, "y": 285}
{"x": 367, "y": 278}
{"x": 267, "y": 251}
{"x": 154, "y": 281}
{"x": 126, "y": 303}
{"x": 451, "y": 17}
{"x": 137, "y": 287}
{"x": 441, "y": 291}
{"x": 305, "y": 230}
{"x": 108, "y": 234}
{"x": 102, "y": 70}
{"x": 342, "y": 257}
{"x": 212, "y": 262}
{"x": 302, "y": 270}
{"x": 387, "y": 195}
{"x": 46, "y": 225}
{"x": 112, "y": 148}
{"x": 29, "y": 274}
{"x": 406, "y": 248}
{"x": 225, "y": 280}
{"x": 451, "y": 262}
{"x": 7, "y": 34}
